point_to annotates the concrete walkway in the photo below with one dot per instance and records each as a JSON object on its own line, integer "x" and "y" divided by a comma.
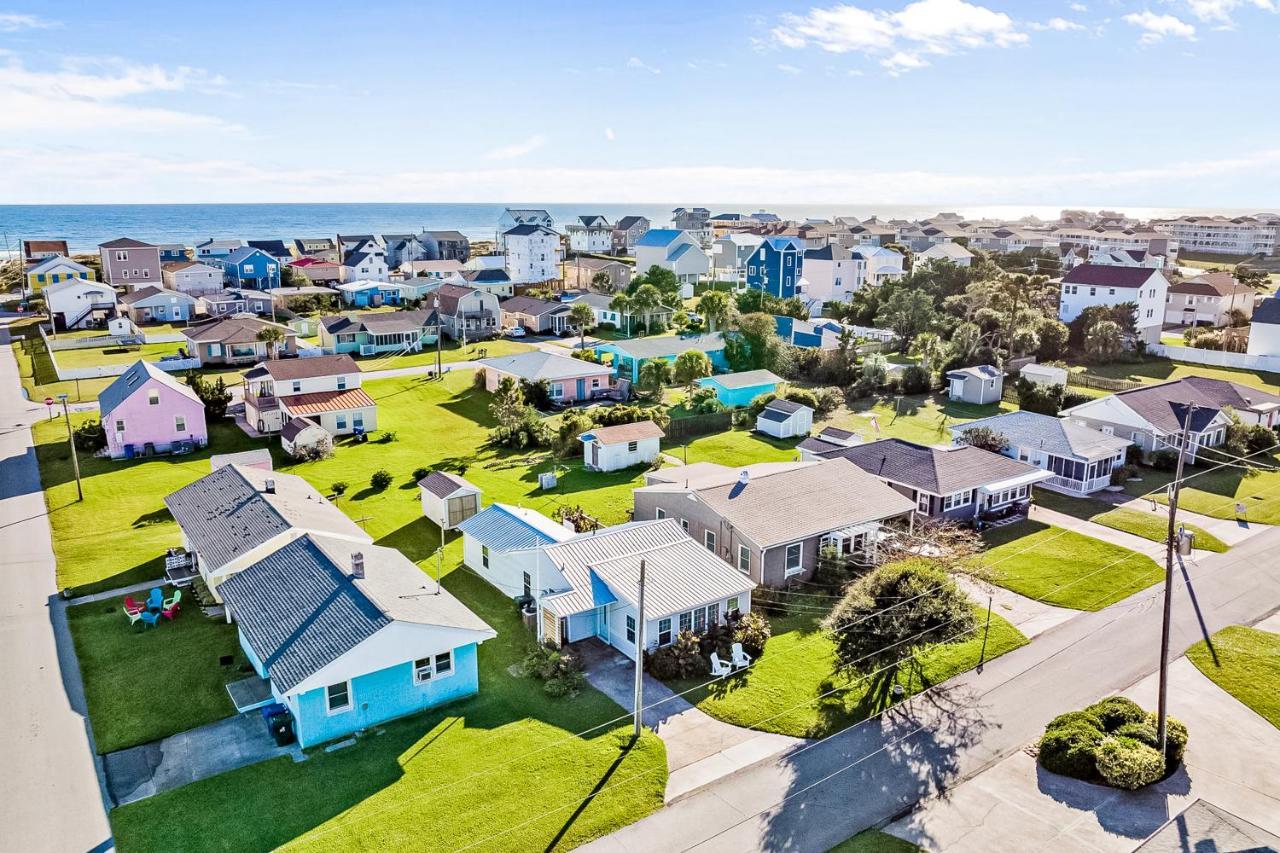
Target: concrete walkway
{"x": 1029, "y": 616}
{"x": 1154, "y": 550}
{"x": 50, "y": 797}
{"x": 1233, "y": 531}
{"x": 144, "y": 771}
{"x": 700, "y": 748}
{"x": 1232, "y": 761}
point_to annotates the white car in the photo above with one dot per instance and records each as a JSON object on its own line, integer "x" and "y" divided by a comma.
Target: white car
{"x": 515, "y": 332}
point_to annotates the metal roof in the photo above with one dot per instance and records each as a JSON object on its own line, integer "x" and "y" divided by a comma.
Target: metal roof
{"x": 538, "y": 365}
{"x": 745, "y": 379}
{"x": 623, "y": 433}
{"x": 327, "y": 401}
{"x": 500, "y": 527}
{"x": 660, "y": 346}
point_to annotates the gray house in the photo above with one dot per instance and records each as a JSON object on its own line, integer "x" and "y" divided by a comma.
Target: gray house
{"x": 955, "y": 484}
{"x": 978, "y": 385}
{"x": 763, "y": 519}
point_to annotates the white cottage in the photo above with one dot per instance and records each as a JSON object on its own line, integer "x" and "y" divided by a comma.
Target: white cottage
{"x": 447, "y": 499}
{"x": 784, "y": 419}
{"x": 613, "y": 448}
{"x": 500, "y": 544}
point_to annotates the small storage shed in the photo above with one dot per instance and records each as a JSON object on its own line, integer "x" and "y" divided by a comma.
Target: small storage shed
{"x": 615, "y": 447}
{"x": 739, "y": 389}
{"x": 447, "y": 499}
{"x": 259, "y": 458}
{"x": 1044, "y": 374}
{"x": 785, "y": 419}
{"x": 300, "y": 434}
{"x": 978, "y": 385}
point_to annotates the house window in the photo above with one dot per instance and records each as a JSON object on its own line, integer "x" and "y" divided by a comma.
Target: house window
{"x": 425, "y": 669}
{"x": 122, "y": 256}
{"x": 444, "y": 664}
{"x": 338, "y": 697}
{"x": 922, "y": 502}
{"x": 484, "y": 558}
{"x": 713, "y": 613}
{"x": 631, "y": 629}
{"x": 684, "y": 524}
{"x": 528, "y": 581}
{"x": 686, "y": 621}
{"x": 632, "y": 446}
{"x": 659, "y": 513}
{"x": 794, "y": 552}
{"x": 731, "y": 605}
{"x": 557, "y": 390}
{"x": 357, "y": 420}
{"x": 664, "y": 631}
{"x": 297, "y": 387}
{"x": 342, "y": 383}
{"x": 119, "y": 426}
{"x": 341, "y": 420}
{"x": 699, "y": 620}
{"x": 957, "y": 500}
{"x": 709, "y": 539}
{"x": 153, "y": 397}
{"x": 179, "y": 423}
{"x": 744, "y": 560}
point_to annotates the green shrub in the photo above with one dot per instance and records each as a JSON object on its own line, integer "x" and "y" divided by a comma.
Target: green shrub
{"x": 753, "y": 631}
{"x": 420, "y": 474}
{"x": 380, "y": 479}
{"x": 90, "y": 437}
{"x": 915, "y": 380}
{"x": 338, "y": 487}
{"x": 1087, "y": 717}
{"x": 682, "y": 659}
{"x": 1143, "y": 732}
{"x": 1175, "y": 739}
{"x": 1164, "y": 460}
{"x": 560, "y": 671}
{"x": 829, "y": 399}
{"x": 1069, "y": 750}
{"x": 1115, "y": 711}
{"x": 1127, "y": 763}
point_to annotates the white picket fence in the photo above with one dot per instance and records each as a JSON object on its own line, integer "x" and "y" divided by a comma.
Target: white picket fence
{"x": 103, "y": 370}
{"x": 1217, "y": 358}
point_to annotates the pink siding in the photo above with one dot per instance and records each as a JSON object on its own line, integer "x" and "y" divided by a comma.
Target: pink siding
{"x": 156, "y": 424}
{"x": 493, "y": 377}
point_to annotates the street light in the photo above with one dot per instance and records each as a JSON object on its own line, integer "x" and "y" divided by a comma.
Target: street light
{"x": 75, "y": 460}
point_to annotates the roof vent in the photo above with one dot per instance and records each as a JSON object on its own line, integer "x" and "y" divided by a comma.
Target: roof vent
{"x": 744, "y": 477}
{"x": 357, "y": 565}
{"x": 269, "y": 486}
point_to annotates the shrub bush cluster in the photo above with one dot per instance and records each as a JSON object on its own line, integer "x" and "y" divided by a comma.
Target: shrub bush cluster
{"x": 559, "y": 670}
{"x": 1114, "y": 742}
{"x": 689, "y": 655}
{"x": 682, "y": 659}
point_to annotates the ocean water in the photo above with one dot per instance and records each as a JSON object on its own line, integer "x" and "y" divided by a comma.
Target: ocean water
{"x": 85, "y": 226}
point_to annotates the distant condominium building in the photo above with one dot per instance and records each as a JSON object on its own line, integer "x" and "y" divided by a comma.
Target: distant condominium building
{"x": 1101, "y": 239}
{"x": 1241, "y": 235}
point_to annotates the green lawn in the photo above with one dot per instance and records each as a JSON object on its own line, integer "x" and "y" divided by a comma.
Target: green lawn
{"x": 451, "y": 352}
{"x": 874, "y": 841}
{"x": 39, "y": 379}
{"x": 736, "y": 447}
{"x": 143, "y": 684}
{"x": 924, "y": 419}
{"x": 1245, "y": 662}
{"x": 1162, "y": 369}
{"x": 499, "y": 771}
{"x": 1061, "y": 567}
{"x": 780, "y": 692}
{"x": 77, "y": 358}
{"x": 1215, "y": 493}
{"x": 1148, "y": 525}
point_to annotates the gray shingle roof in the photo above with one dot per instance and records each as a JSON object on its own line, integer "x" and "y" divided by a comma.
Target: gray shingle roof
{"x": 380, "y": 322}
{"x": 1164, "y": 406}
{"x": 538, "y": 365}
{"x": 442, "y": 484}
{"x": 305, "y": 368}
{"x": 666, "y": 345}
{"x": 1057, "y": 436}
{"x": 239, "y": 329}
{"x": 133, "y": 379}
{"x": 935, "y": 470}
{"x": 226, "y": 514}
{"x": 300, "y": 608}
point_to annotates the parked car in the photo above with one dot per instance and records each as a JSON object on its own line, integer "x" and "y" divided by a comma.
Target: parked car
{"x": 515, "y": 332}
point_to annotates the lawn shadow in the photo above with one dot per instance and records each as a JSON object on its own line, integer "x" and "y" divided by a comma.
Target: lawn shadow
{"x": 472, "y": 404}
{"x": 151, "y": 570}
{"x": 417, "y": 540}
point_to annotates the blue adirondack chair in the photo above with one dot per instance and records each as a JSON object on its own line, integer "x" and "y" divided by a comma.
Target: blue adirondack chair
{"x": 155, "y": 601}
{"x": 150, "y": 619}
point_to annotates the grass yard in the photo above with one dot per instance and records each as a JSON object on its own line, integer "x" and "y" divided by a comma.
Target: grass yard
{"x": 1148, "y": 525}
{"x": 1216, "y": 492}
{"x": 496, "y": 772}
{"x": 1245, "y": 662}
{"x": 143, "y": 684}
{"x": 924, "y": 419}
{"x": 451, "y": 352}
{"x": 77, "y": 358}
{"x": 1061, "y": 567}
{"x": 783, "y": 691}
{"x": 1162, "y": 370}
{"x": 874, "y": 841}
{"x": 39, "y": 380}
{"x": 736, "y": 447}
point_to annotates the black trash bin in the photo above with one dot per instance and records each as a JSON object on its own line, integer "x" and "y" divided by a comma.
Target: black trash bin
{"x": 280, "y": 724}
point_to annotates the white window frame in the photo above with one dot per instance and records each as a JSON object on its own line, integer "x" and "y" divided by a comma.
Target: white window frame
{"x": 179, "y": 423}
{"x": 556, "y": 391}
{"x": 709, "y": 539}
{"x": 429, "y": 668}
{"x": 798, "y": 567}
{"x": 630, "y": 626}
{"x": 659, "y": 513}
{"x": 328, "y": 698}
{"x": 957, "y": 500}
{"x": 923, "y": 502}
{"x": 153, "y": 397}
{"x": 744, "y": 559}
{"x": 484, "y": 556}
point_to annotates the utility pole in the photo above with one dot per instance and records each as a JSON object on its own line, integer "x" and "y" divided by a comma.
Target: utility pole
{"x": 1162, "y": 722}
{"x": 439, "y": 562}
{"x": 639, "y": 700}
{"x": 436, "y": 305}
{"x": 71, "y": 442}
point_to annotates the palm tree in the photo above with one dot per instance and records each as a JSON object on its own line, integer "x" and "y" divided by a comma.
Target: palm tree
{"x": 583, "y": 316}
{"x": 714, "y": 305}
{"x": 646, "y": 300}
{"x": 927, "y": 346}
{"x": 273, "y": 337}
{"x": 655, "y": 374}
{"x": 1104, "y": 340}
{"x": 621, "y": 303}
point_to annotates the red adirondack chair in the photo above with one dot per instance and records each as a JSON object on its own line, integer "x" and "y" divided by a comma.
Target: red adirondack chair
{"x": 131, "y": 606}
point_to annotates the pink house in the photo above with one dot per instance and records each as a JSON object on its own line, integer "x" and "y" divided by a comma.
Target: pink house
{"x": 569, "y": 380}
{"x": 147, "y": 411}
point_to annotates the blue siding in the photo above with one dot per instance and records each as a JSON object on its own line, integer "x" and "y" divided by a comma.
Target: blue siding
{"x": 253, "y": 658}
{"x": 734, "y": 397}
{"x": 384, "y": 695}
{"x": 775, "y": 267}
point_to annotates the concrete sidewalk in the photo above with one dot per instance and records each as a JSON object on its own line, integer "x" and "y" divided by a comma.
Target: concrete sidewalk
{"x": 700, "y": 748}
{"x": 1029, "y": 616}
{"x": 1154, "y": 550}
{"x": 50, "y": 797}
{"x": 1233, "y": 531}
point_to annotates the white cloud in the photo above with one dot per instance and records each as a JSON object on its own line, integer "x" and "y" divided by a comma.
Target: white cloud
{"x": 517, "y": 149}
{"x": 1156, "y": 27}
{"x": 637, "y": 62}
{"x": 1061, "y": 25}
{"x": 38, "y": 174}
{"x": 1077, "y": 7}
{"x": 787, "y": 69}
{"x": 13, "y": 22}
{"x": 1221, "y": 10}
{"x": 609, "y": 134}
{"x": 103, "y": 94}
{"x": 924, "y": 27}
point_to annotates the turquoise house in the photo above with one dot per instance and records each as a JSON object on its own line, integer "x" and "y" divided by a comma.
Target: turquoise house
{"x": 627, "y": 356}
{"x": 348, "y": 635}
{"x": 379, "y": 332}
{"x": 739, "y": 389}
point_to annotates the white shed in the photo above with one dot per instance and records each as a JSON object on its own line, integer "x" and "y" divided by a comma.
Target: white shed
{"x": 300, "y": 435}
{"x": 785, "y": 419}
{"x": 615, "y": 447}
{"x": 1044, "y": 374}
{"x": 979, "y": 385}
{"x": 447, "y": 499}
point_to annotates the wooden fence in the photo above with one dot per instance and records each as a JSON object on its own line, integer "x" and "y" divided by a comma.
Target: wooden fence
{"x": 695, "y": 425}
{"x": 1101, "y": 383}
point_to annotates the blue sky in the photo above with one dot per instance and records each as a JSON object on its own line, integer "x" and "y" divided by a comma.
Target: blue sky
{"x": 1165, "y": 103}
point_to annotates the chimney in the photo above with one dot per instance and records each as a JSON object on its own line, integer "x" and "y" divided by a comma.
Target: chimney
{"x": 357, "y": 565}
{"x": 269, "y": 486}
{"x": 744, "y": 477}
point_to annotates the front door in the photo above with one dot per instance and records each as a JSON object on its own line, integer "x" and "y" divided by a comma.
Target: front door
{"x": 595, "y": 455}
{"x": 582, "y": 388}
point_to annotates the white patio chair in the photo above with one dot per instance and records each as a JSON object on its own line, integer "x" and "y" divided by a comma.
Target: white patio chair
{"x": 741, "y": 660}
{"x": 718, "y": 667}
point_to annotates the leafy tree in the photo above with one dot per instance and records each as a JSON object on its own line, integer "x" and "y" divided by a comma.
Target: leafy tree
{"x": 645, "y": 300}
{"x": 755, "y": 344}
{"x": 621, "y": 303}
{"x": 1104, "y": 340}
{"x": 215, "y": 395}
{"x": 1053, "y": 336}
{"x": 907, "y": 313}
{"x": 690, "y": 366}
{"x": 1042, "y": 399}
{"x": 1251, "y": 277}
{"x": 601, "y": 282}
{"x": 715, "y": 306}
{"x": 928, "y": 347}
{"x": 891, "y": 613}
{"x": 984, "y": 438}
{"x": 663, "y": 281}
{"x": 90, "y": 437}
{"x": 293, "y": 277}
{"x": 583, "y": 316}
{"x": 273, "y": 337}
{"x": 655, "y": 374}
{"x": 508, "y": 403}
